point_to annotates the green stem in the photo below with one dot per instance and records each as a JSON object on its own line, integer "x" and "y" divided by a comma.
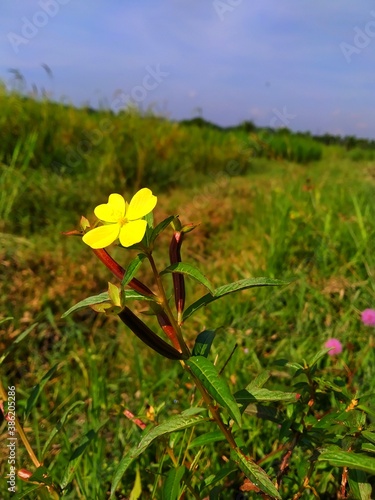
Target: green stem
{"x": 206, "y": 396}
{"x": 213, "y": 409}
{"x": 165, "y": 305}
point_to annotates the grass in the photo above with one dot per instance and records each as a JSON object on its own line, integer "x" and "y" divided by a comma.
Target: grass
{"x": 260, "y": 215}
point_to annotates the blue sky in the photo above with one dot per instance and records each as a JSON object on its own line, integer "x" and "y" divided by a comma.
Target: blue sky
{"x": 307, "y": 65}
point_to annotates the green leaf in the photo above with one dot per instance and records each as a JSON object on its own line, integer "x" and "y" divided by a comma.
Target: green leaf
{"x": 77, "y": 455}
{"x": 207, "y": 373}
{"x": 104, "y": 297}
{"x": 368, "y": 447}
{"x": 358, "y": 461}
{"x": 173, "y": 424}
{"x": 9, "y": 318}
{"x": 132, "y": 269}
{"x": 370, "y": 436}
{"x": 264, "y": 412}
{"x": 37, "y": 390}
{"x": 259, "y": 381}
{"x": 366, "y": 409}
{"x": 60, "y": 424}
{"x": 255, "y": 473}
{"x": 131, "y": 294}
{"x": 296, "y": 366}
{"x": 41, "y": 475}
{"x": 189, "y": 270}
{"x": 203, "y": 343}
{"x": 26, "y": 493}
{"x": 17, "y": 340}
{"x": 114, "y": 295}
{"x": 94, "y": 299}
{"x": 136, "y": 492}
{"x": 236, "y": 286}
{"x": 319, "y": 355}
{"x": 360, "y": 489}
{"x": 223, "y": 472}
{"x": 207, "y": 438}
{"x": 149, "y": 218}
{"x": 160, "y": 227}
{"x": 245, "y": 397}
{"x": 172, "y": 484}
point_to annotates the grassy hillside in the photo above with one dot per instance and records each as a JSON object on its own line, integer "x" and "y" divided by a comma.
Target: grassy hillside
{"x": 269, "y": 204}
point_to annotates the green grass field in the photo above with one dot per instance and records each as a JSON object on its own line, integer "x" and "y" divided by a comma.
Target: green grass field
{"x": 302, "y": 212}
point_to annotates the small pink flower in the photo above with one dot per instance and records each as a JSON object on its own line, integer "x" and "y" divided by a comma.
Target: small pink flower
{"x": 334, "y": 345}
{"x": 368, "y": 317}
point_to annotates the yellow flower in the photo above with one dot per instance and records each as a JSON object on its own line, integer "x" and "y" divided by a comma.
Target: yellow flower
{"x": 121, "y": 220}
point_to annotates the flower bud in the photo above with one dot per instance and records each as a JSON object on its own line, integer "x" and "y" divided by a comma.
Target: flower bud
{"x": 24, "y": 474}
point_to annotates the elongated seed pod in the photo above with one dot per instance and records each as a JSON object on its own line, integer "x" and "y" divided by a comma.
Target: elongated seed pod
{"x": 178, "y": 278}
{"x": 119, "y": 271}
{"x": 168, "y": 329}
{"x": 144, "y": 333}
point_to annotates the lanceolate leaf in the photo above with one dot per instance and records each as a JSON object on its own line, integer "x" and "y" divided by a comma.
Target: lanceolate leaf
{"x": 76, "y": 458}
{"x": 173, "y": 424}
{"x": 236, "y": 286}
{"x": 94, "y": 299}
{"x": 319, "y": 355}
{"x": 104, "y": 297}
{"x": 217, "y": 387}
{"x": 9, "y": 318}
{"x": 184, "y": 268}
{"x": 221, "y": 474}
{"x": 16, "y": 341}
{"x": 259, "y": 381}
{"x": 60, "y": 424}
{"x": 245, "y": 397}
{"x": 77, "y": 454}
{"x": 37, "y": 390}
{"x": 203, "y": 343}
{"x": 160, "y": 227}
{"x": 369, "y": 435}
{"x": 255, "y": 473}
{"x": 26, "y": 492}
{"x": 172, "y": 484}
{"x": 339, "y": 458}
{"x": 132, "y": 269}
{"x": 360, "y": 488}
{"x": 247, "y": 283}
{"x": 207, "y": 438}
{"x": 41, "y": 475}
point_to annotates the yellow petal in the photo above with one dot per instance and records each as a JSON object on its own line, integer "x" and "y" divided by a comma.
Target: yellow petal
{"x": 132, "y": 232}
{"x": 102, "y": 236}
{"x": 141, "y": 204}
{"x": 112, "y": 211}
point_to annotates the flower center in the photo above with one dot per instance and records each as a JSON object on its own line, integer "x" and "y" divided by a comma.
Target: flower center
{"x": 122, "y": 221}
